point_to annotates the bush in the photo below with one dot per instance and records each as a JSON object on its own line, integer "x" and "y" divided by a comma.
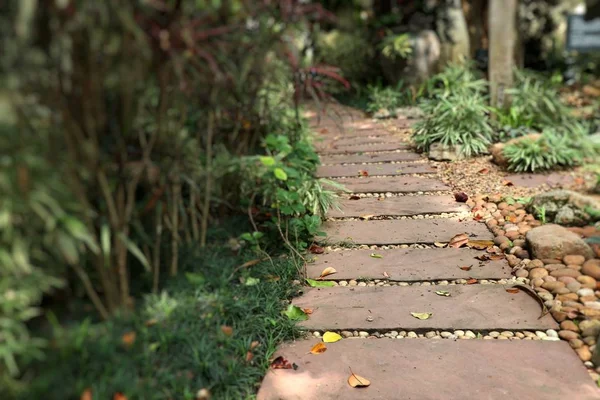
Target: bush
{"x": 388, "y": 98}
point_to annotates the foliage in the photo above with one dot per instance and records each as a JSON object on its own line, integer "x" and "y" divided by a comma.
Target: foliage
{"x": 395, "y": 46}
{"x": 456, "y": 112}
{"x": 180, "y": 345}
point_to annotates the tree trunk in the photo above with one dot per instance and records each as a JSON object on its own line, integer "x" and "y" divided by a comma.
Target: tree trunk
{"x": 453, "y": 33}
{"x": 502, "y": 37}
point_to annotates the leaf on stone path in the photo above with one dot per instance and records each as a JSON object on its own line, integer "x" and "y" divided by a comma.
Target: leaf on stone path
{"x": 357, "y": 381}
{"x": 461, "y": 197}
{"x": 128, "y": 338}
{"x": 254, "y": 344}
{"x": 466, "y": 267}
{"x": 385, "y": 274}
{"x": 313, "y": 283}
{"x": 489, "y": 257}
{"x": 513, "y": 290}
{"x": 496, "y": 257}
{"x": 331, "y": 337}
{"x": 471, "y": 281}
{"x": 307, "y": 311}
{"x": 479, "y": 244}
{"x": 119, "y": 396}
{"x": 315, "y": 249}
{"x": 442, "y": 293}
{"x": 421, "y": 315}
{"x": 354, "y": 197}
{"x": 507, "y": 183}
{"x": 327, "y": 271}
{"x": 459, "y": 240}
{"x": 250, "y": 281}
{"x": 227, "y": 330}
{"x": 86, "y": 395}
{"x": 366, "y": 217}
{"x": 375, "y": 255}
{"x": 249, "y": 356}
{"x": 319, "y": 348}
{"x": 484, "y": 171}
{"x": 362, "y": 172}
{"x": 295, "y": 313}
{"x": 440, "y": 245}
{"x": 281, "y": 363}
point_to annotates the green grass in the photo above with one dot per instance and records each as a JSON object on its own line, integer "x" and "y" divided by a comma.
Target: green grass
{"x": 185, "y": 350}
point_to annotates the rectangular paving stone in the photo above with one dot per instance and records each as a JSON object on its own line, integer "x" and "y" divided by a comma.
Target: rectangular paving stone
{"x": 370, "y": 157}
{"x": 402, "y": 231}
{"x": 431, "y": 369}
{"x": 341, "y": 140}
{"x": 478, "y": 307}
{"x": 397, "y": 206}
{"x": 407, "y": 265}
{"x": 404, "y": 184}
{"x": 337, "y": 171}
{"x": 364, "y": 148}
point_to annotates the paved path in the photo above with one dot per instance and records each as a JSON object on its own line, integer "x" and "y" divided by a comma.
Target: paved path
{"x": 384, "y": 244}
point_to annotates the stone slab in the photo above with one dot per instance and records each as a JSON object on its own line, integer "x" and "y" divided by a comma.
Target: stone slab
{"x": 338, "y": 171}
{"x": 404, "y": 184}
{"x": 407, "y": 265}
{"x": 477, "y": 307}
{"x": 370, "y": 157}
{"x": 341, "y": 141}
{"x": 397, "y": 206}
{"x": 431, "y": 369}
{"x": 402, "y": 231}
{"x": 364, "y": 148}
{"x": 535, "y": 180}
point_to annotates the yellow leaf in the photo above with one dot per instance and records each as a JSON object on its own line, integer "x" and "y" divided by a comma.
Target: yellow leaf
{"x": 357, "y": 380}
{"x": 421, "y": 315}
{"x": 331, "y": 337}
{"x": 327, "y": 271}
{"x": 480, "y": 244}
{"x": 318, "y": 348}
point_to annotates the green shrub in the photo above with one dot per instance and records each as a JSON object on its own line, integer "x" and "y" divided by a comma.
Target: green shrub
{"x": 453, "y": 80}
{"x": 396, "y": 46}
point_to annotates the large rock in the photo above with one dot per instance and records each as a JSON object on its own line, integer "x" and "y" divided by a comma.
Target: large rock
{"x": 497, "y": 149}
{"x": 442, "y": 152}
{"x": 555, "y": 242}
{"x": 565, "y": 207}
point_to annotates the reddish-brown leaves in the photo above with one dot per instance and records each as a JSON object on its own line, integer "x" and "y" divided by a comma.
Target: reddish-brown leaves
{"x": 484, "y": 171}
{"x": 227, "y": 330}
{"x": 319, "y": 348}
{"x": 362, "y": 172}
{"x": 459, "y": 240}
{"x": 315, "y": 249}
{"x": 282, "y": 363}
{"x": 512, "y": 290}
{"x": 461, "y": 197}
{"x": 466, "y": 267}
{"x": 471, "y": 281}
{"x": 507, "y": 183}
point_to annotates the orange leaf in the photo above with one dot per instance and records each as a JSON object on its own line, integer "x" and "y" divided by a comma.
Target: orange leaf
{"x": 307, "y": 311}
{"x": 128, "y": 338}
{"x": 362, "y": 172}
{"x": 327, "y": 271}
{"x": 119, "y": 396}
{"x": 484, "y": 171}
{"x": 507, "y": 183}
{"x": 466, "y": 268}
{"x": 282, "y": 363}
{"x": 316, "y": 249}
{"x": 249, "y": 356}
{"x": 254, "y": 345}
{"x": 318, "y": 348}
{"x": 459, "y": 240}
{"x": 512, "y": 290}
{"x": 227, "y": 330}
{"x": 86, "y": 395}
{"x": 357, "y": 380}
{"x": 471, "y": 281}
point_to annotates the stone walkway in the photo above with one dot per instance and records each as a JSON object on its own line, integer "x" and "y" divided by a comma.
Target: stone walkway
{"x": 386, "y": 244}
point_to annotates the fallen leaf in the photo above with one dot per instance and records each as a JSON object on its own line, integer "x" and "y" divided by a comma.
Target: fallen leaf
{"x": 227, "y": 330}
{"x": 477, "y": 217}
{"x": 366, "y": 217}
{"x": 466, "y": 267}
{"x": 315, "y": 249}
{"x": 331, "y": 337}
{"x": 507, "y": 183}
{"x": 128, "y": 338}
{"x": 479, "y": 244}
{"x": 461, "y": 197}
{"x": 362, "y": 172}
{"x": 254, "y": 344}
{"x": 307, "y": 311}
{"x": 496, "y": 257}
{"x": 375, "y": 255}
{"x": 203, "y": 394}
{"x": 281, "y": 363}
{"x": 119, "y": 396}
{"x": 357, "y": 380}
{"x": 471, "y": 281}
{"x": 295, "y": 313}
{"x": 313, "y": 283}
{"x": 327, "y": 271}
{"x": 512, "y": 290}
{"x": 250, "y": 263}
{"x": 442, "y": 293}
{"x": 354, "y": 197}
{"x": 318, "y": 348}
{"x": 440, "y": 245}
{"x": 421, "y": 315}
{"x": 484, "y": 171}
{"x": 385, "y": 274}
{"x": 324, "y": 130}
{"x": 86, "y": 395}
{"x": 249, "y": 356}
{"x": 459, "y": 240}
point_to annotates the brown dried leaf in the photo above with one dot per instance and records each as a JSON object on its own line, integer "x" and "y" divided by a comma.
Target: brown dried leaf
{"x": 466, "y": 267}
{"x": 307, "y": 311}
{"x": 319, "y": 348}
{"x": 484, "y": 171}
{"x": 512, "y": 290}
{"x": 362, "y": 172}
{"x": 507, "y": 183}
{"x": 281, "y": 363}
{"x": 327, "y": 271}
{"x": 357, "y": 380}
{"x": 315, "y": 249}
{"x": 471, "y": 281}
{"x": 461, "y": 197}
{"x": 227, "y": 330}
{"x": 459, "y": 240}
{"x": 254, "y": 344}
{"x": 479, "y": 244}
{"x": 249, "y": 356}
{"x": 354, "y": 197}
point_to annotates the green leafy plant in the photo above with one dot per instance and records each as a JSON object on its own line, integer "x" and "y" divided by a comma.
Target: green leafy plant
{"x": 540, "y": 213}
{"x": 395, "y": 46}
